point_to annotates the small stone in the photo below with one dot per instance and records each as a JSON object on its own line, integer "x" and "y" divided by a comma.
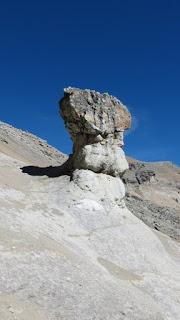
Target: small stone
{"x": 11, "y": 309}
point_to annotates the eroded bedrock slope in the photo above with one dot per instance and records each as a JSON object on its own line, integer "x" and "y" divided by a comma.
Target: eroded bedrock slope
{"x": 71, "y": 250}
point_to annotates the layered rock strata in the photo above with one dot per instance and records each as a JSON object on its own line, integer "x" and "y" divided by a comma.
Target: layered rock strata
{"x": 96, "y": 123}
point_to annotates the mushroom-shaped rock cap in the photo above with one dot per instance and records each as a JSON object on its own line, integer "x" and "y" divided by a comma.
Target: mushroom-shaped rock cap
{"x": 92, "y": 113}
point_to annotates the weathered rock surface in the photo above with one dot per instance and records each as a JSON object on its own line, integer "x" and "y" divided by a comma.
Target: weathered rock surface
{"x": 96, "y": 123}
{"x": 69, "y": 249}
{"x": 153, "y": 195}
{"x": 113, "y": 188}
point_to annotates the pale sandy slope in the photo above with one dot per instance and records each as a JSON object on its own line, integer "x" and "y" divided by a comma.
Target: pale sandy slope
{"x": 68, "y": 252}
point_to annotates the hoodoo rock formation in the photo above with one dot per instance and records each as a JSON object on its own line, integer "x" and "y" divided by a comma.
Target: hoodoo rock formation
{"x": 69, "y": 247}
{"x": 96, "y": 123}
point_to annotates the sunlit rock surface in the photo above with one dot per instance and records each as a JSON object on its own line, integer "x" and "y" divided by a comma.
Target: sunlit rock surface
{"x": 96, "y": 123}
{"x": 71, "y": 250}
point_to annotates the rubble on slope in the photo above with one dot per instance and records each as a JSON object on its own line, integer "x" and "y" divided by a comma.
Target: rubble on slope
{"x": 153, "y": 195}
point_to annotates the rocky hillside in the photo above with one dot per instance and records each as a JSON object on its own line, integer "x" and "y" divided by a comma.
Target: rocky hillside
{"x": 69, "y": 247}
{"x": 153, "y": 194}
{"x": 26, "y": 147}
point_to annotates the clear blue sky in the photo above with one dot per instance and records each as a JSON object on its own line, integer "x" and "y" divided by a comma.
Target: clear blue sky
{"x": 130, "y": 49}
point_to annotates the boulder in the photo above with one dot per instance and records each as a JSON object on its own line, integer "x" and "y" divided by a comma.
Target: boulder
{"x": 104, "y": 186}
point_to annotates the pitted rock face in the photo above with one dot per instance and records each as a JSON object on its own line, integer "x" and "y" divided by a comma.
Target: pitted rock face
{"x": 96, "y": 123}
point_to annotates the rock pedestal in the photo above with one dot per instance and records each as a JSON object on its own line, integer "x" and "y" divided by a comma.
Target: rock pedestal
{"x": 96, "y": 123}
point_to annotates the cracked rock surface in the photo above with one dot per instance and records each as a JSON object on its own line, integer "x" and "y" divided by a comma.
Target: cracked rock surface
{"x": 96, "y": 123}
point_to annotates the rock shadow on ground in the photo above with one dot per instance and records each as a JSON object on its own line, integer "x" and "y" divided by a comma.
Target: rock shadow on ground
{"x": 50, "y": 171}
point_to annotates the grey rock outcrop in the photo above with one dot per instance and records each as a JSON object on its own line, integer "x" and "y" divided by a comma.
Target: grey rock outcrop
{"x": 153, "y": 195}
{"x": 138, "y": 174}
{"x": 96, "y": 123}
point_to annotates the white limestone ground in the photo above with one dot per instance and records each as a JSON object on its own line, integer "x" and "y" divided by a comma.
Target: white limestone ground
{"x": 71, "y": 250}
